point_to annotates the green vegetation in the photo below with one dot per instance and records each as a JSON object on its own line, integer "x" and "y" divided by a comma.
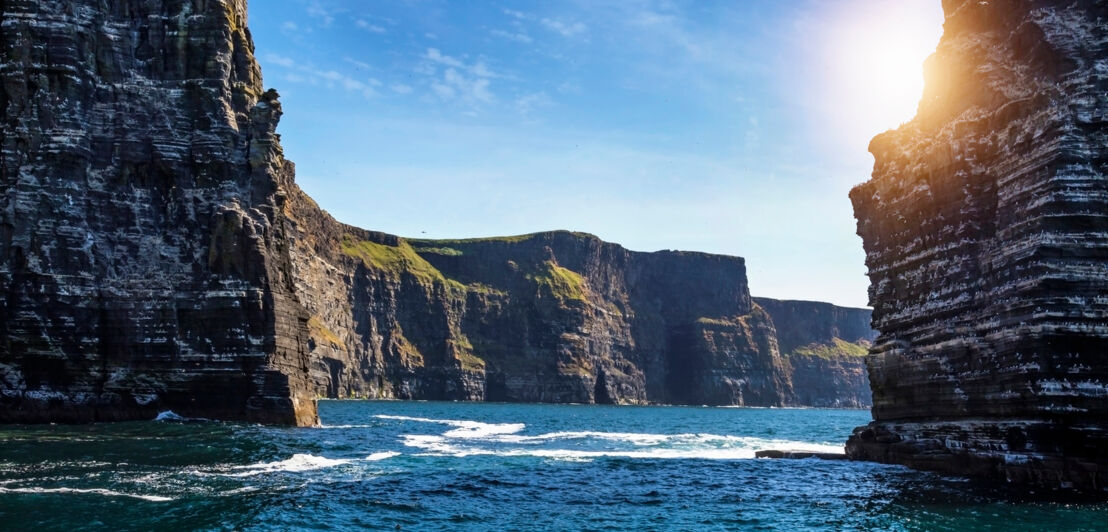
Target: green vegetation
{"x": 320, "y": 331}
{"x": 396, "y": 260}
{"x": 564, "y": 283}
{"x": 715, "y": 321}
{"x": 456, "y": 241}
{"x": 481, "y": 288}
{"x": 838, "y": 347}
{"x": 509, "y": 239}
{"x": 450, "y": 252}
{"x": 470, "y": 362}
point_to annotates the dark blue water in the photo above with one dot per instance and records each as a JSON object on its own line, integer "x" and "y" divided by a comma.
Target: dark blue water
{"x": 471, "y": 466}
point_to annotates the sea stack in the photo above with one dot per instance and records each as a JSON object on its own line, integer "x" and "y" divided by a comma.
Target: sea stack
{"x": 143, "y": 257}
{"x": 985, "y": 227}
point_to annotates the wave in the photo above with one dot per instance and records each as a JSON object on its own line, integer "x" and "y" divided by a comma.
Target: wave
{"x": 465, "y": 428}
{"x": 95, "y": 491}
{"x": 297, "y": 463}
{"x": 381, "y": 456}
{"x": 173, "y": 417}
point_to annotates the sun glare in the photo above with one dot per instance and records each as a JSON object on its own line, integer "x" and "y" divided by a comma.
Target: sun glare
{"x": 874, "y": 63}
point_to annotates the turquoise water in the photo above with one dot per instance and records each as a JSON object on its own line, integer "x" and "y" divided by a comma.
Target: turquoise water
{"x": 473, "y": 466}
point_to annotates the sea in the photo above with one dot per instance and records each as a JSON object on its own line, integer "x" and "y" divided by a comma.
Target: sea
{"x": 394, "y": 465}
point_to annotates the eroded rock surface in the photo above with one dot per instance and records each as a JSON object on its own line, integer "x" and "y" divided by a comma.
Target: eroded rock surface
{"x": 986, "y": 232}
{"x": 143, "y": 263}
{"x": 558, "y": 317}
{"x": 825, "y": 347}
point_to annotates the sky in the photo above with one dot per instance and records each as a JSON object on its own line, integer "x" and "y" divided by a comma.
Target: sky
{"x": 733, "y": 127}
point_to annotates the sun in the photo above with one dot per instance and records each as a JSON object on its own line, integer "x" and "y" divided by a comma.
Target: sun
{"x": 873, "y": 61}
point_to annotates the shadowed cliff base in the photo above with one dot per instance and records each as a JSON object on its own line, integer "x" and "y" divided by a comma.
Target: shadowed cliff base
{"x": 984, "y": 230}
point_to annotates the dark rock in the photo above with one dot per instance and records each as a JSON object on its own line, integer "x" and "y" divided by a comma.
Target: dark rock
{"x": 984, "y": 230}
{"x": 142, "y": 263}
{"x": 825, "y": 347}
{"x": 798, "y": 455}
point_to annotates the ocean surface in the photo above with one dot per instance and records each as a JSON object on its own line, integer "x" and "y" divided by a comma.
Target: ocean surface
{"x": 473, "y": 466}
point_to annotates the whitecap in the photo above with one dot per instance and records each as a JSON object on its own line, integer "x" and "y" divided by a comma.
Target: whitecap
{"x": 381, "y": 456}
{"x": 297, "y": 463}
{"x": 94, "y": 491}
{"x": 170, "y": 415}
{"x": 464, "y": 428}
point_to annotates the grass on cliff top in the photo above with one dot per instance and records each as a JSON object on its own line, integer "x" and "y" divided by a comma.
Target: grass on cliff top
{"x": 564, "y": 283}
{"x": 510, "y": 239}
{"x": 837, "y": 347}
{"x": 396, "y": 260}
{"x": 450, "y": 252}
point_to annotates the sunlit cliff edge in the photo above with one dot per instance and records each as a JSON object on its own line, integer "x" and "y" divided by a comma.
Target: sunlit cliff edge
{"x": 985, "y": 232}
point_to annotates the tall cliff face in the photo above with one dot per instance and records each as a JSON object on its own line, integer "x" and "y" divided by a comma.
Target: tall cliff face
{"x": 987, "y": 244}
{"x": 825, "y": 347}
{"x": 143, "y": 255}
{"x": 555, "y": 317}
{"x": 551, "y": 317}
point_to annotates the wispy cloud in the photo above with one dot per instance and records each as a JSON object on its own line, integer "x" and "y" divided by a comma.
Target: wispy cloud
{"x": 369, "y": 26}
{"x": 307, "y": 73}
{"x": 477, "y": 68}
{"x": 359, "y": 64}
{"x": 567, "y": 29}
{"x": 517, "y": 36}
{"x": 468, "y": 89}
{"x": 461, "y": 81}
{"x": 322, "y": 14}
{"x": 529, "y": 102}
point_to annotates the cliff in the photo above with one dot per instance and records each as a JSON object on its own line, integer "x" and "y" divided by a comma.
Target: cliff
{"x": 558, "y": 317}
{"x": 825, "y": 347}
{"x": 985, "y": 235}
{"x": 156, "y": 254}
{"x": 143, "y": 263}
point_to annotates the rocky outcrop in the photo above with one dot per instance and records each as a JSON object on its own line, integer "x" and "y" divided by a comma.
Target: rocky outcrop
{"x": 548, "y": 317}
{"x": 825, "y": 347}
{"x": 156, "y": 254}
{"x": 987, "y": 245}
{"x": 557, "y": 317}
{"x": 143, "y": 255}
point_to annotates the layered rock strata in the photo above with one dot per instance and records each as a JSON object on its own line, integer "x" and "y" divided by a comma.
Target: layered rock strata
{"x": 558, "y": 317}
{"x": 144, "y": 263}
{"x": 986, "y": 236}
{"x": 825, "y": 347}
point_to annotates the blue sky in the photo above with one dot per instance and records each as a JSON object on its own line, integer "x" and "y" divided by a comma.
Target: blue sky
{"x": 733, "y": 127}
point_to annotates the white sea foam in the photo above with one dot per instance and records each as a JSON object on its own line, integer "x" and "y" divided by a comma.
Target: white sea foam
{"x": 647, "y": 446}
{"x": 298, "y": 463}
{"x": 469, "y": 438}
{"x": 169, "y": 415}
{"x": 381, "y": 456}
{"x": 465, "y": 428}
{"x": 94, "y": 491}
